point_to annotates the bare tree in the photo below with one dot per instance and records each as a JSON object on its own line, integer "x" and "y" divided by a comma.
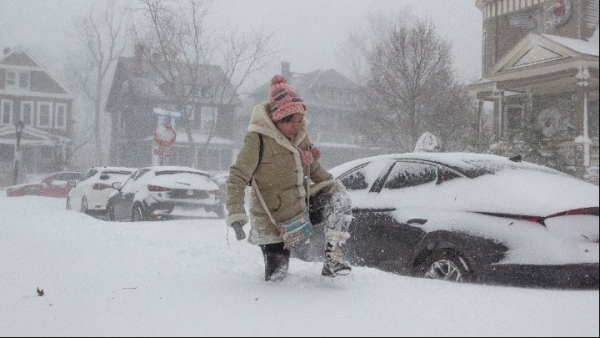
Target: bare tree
{"x": 101, "y": 38}
{"x": 354, "y": 50}
{"x": 193, "y": 62}
{"x": 410, "y": 88}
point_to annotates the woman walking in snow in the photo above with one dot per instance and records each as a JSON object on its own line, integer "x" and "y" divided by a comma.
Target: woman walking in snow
{"x": 279, "y": 158}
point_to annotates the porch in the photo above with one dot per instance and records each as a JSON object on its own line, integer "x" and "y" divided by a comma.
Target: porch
{"x": 570, "y": 150}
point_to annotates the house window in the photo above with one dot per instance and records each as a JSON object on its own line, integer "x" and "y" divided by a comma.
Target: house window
{"x": 204, "y": 91}
{"x": 61, "y": 116}
{"x": 11, "y": 79}
{"x": 513, "y": 117}
{"x": 24, "y": 80}
{"x": 6, "y": 112}
{"x": 44, "y": 115}
{"x": 27, "y": 113}
{"x": 17, "y": 79}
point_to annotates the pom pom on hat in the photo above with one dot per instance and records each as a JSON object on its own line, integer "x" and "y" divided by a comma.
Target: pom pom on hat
{"x": 283, "y": 99}
{"x": 277, "y": 79}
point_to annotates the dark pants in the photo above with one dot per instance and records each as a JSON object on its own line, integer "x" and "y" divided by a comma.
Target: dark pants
{"x": 277, "y": 260}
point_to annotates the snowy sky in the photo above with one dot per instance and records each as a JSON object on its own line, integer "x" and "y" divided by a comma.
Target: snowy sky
{"x": 192, "y": 278}
{"x": 309, "y": 31}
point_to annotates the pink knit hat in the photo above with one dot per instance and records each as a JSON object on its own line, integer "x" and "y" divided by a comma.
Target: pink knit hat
{"x": 284, "y": 99}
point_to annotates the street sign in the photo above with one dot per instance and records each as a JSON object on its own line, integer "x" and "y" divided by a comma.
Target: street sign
{"x": 165, "y": 136}
{"x": 169, "y": 113}
{"x": 163, "y": 152}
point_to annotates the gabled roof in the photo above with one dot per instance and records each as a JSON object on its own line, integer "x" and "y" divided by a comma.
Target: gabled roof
{"x": 535, "y": 49}
{"x": 543, "y": 60}
{"x": 18, "y": 57}
{"x": 30, "y": 136}
{"x": 150, "y": 85}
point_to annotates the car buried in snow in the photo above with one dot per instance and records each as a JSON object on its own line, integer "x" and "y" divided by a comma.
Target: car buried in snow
{"x": 54, "y": 185}
{"x": 469, "y": 218}
{"x": 165, "y": 192}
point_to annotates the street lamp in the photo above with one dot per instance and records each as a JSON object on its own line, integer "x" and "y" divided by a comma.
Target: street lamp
{"x": 583, "y": 78}
{"x": 19, "y": 131}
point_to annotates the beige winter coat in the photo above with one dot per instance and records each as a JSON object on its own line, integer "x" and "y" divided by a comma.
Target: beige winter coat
{"x": 280, "y": 178}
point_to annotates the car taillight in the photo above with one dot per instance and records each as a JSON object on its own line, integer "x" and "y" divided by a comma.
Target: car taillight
{"x": 101, "y": 186}
{"x": 583, "y": 211}
{"x": 215, "y": 192}
{"x": 156, "y": 188}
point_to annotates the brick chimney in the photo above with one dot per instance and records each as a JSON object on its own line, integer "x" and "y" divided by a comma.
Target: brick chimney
{"x": 285, "y": 70}
{"x": 138, "y": 63}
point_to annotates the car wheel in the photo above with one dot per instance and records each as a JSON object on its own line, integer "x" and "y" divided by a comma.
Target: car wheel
{"x": 445, "y": 265}
{"x": 110, "y": 212}
{"x": 68, "y": 206}
{"x": 137, "y": 215}
{"x": 84, "y": 206}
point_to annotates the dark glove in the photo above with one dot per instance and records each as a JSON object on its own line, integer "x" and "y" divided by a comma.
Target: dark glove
{"x": 238, "y": 227}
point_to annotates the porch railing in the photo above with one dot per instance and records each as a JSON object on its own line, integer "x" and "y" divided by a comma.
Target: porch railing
{"x": 568, "y": 149}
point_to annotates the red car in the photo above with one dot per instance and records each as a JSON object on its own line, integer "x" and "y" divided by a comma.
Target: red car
{"x": 55, "y": 185}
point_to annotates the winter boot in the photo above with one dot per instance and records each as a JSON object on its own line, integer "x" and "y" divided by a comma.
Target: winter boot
{"x": 334, "y": 264}
{"x": 277, "y": 261}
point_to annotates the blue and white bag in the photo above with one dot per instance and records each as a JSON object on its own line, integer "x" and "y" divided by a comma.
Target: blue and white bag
{"x": 296, "y": 230}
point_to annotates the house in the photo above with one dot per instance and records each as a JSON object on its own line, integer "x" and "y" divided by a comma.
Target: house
{"x": 540, "y": 67}
{"x": 330, "y": 103}
{"x": 30, "y": 94}
{"x": 138, "y": 88}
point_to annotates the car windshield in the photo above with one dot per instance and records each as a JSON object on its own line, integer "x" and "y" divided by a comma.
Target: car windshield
{"x": 185, "y": 177}
{"x": 114, "y": 174}
{"x": 175, "y": 172}
{"x": 120, "y": 172}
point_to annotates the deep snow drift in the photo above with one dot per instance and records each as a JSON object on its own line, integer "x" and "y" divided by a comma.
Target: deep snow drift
{"x": 192, "y": 278}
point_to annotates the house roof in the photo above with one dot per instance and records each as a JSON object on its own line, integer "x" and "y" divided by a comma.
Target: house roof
{"x": 19, "y": 58}
{"x": 310, "y": 85}
{"x": 579, "y": 46}
{"x": 536, "y": 56}
{"x": 151, "y": 85}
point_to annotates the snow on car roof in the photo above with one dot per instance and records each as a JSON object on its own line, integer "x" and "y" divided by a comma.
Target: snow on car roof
{"x": 114, "y": 168}
{"x": 475, "y": 164}
{"x": 177, "y": 168}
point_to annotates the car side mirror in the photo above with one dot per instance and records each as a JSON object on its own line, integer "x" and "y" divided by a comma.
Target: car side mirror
{"x": 117, "y": 186}
{"x": 72, "y": 184}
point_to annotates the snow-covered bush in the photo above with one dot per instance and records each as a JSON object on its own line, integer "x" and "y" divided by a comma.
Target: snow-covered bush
{"x": 591, "y": 175}
{"x": 428, "y": 143}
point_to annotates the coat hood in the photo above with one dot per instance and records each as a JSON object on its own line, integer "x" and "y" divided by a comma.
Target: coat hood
{"x": 261, "y": 123}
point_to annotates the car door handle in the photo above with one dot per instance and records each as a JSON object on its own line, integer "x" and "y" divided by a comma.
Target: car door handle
{"x": 419, "y": 221}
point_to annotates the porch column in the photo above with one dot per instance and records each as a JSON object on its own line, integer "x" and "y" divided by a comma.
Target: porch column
{"x": 583, "y": 125}
{"x": 529, "y": 113}
{"x": 498, "y": 115}
{"x": 477, "y": 120}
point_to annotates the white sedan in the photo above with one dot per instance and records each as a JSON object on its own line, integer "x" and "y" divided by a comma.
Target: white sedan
{"x": 91, "y": 193}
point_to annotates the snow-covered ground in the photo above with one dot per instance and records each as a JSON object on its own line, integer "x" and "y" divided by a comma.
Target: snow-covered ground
{"x": 192, "y": 278}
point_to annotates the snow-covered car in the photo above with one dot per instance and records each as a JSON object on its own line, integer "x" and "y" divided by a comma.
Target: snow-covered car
{"x": 54, "y": 185}
{"x": 165, "y": 192}
{"x": 470, "y": 218}
{"x": 91, "y": 192}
